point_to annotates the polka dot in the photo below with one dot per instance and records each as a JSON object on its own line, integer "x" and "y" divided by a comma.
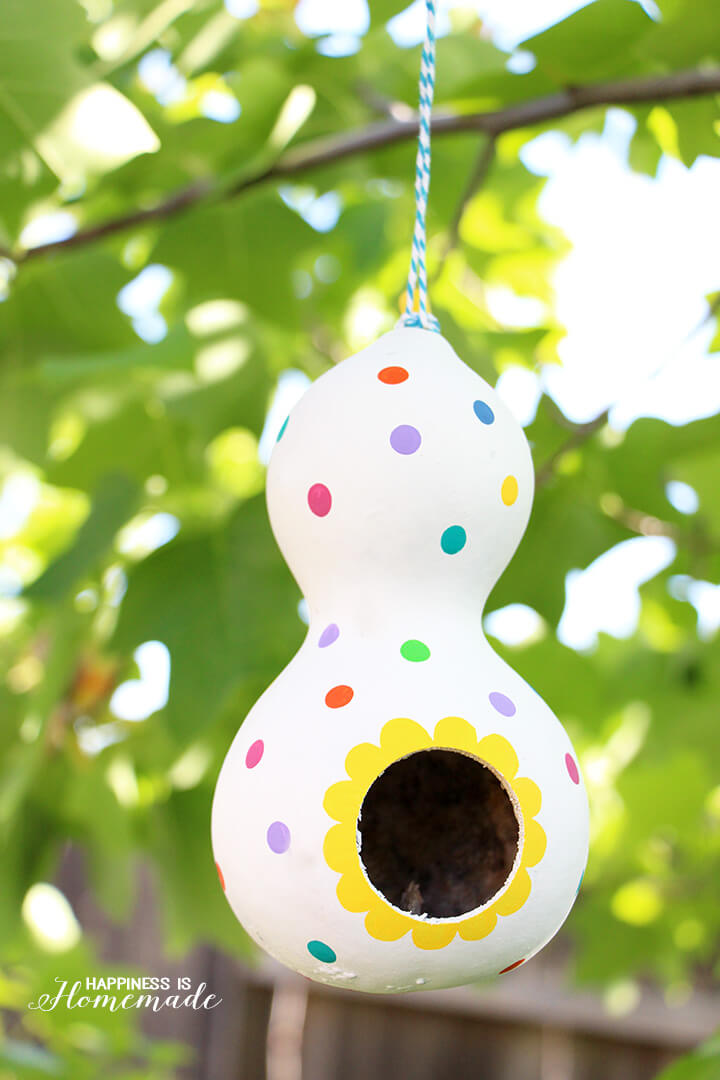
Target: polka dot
{"x": 278, "y": 837}
{"x": 483, "y": 412}
{"x": 319, "y": 500}
{"x": 453, "y": 539}
{"x": 414, "y": 650}
{"x": 222, "y": 879}
{"x": 391, "y": 376}
{"x": 281, "y": 432}
{"x": 572, "y": 768}
{"x": 322, "y": 952}
{"x": 330, "y": 633}
{"x": 509, "y": 490}
{"x": 338, "y": 696}
{"x": 405, "y": 439}
{"x": 256, "y": 751}
{"x": 511, "y": 967}
{"x": 501, "y": 703}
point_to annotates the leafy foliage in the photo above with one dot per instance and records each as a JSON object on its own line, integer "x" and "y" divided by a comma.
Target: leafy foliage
{"x": 702, "y": 1065}
{"x": 116, "y": 412}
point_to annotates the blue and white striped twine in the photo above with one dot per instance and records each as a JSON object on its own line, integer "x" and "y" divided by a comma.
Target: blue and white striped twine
{"x": 417, "y": 277}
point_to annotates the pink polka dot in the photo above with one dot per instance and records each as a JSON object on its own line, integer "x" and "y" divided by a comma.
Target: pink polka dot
{"x": 319, "y": 500}
{"x": 572, "y": 769}
{"x": 254, "y": 754}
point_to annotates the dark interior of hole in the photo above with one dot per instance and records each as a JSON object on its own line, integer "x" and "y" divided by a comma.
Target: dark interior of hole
{"x": 438, "y": 833}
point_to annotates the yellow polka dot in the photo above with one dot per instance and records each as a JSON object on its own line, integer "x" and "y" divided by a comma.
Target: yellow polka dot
{"x": 509, "y": 490}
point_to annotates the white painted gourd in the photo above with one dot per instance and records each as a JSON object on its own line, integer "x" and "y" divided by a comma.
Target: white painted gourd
{"x": 400, "y": 810}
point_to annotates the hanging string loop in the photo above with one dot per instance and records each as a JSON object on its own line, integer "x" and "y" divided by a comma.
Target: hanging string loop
{"x": 417, "y": 310}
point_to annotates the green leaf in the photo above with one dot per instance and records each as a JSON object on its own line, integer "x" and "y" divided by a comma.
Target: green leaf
{"x": 38, "y": 69}
{"x": 645, "y": 150}
{"x": 697, "y": 128}
{"x": 702, "y": 1064}
{"x": 210, "y": 600}
{"x": 383, "y": 10}
{"x": 688, "y": 34}
{"x": 598, "y": 42}
{"x": 65, "y": 305}
{"x": 112, "y": 506}
{"x": 464, "y": 63}
{"x": 225, "y": 251}
{"x": 175, "y": 351}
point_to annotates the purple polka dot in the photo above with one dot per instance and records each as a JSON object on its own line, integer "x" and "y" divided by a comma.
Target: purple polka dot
{"x": 254, "y": 753}
{"x": 278, "y": 837}
{"x": 319, "y": 500}
{"x": 572, "y": 769}
{"x": 330, "y": 633}
{"x": 405, "y": 439}
{"x": 502, "y": 703}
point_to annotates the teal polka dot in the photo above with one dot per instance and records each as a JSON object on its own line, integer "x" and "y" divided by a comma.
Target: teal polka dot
{"x": 414, "y": 650}
{"x": 281, "y": 432}
{"x": 453, "y": 539}
{"x": 322, "y": 952}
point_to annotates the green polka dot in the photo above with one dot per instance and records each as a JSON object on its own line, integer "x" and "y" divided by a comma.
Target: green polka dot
{"x": 453, "y": 539}
{"x": 414, "y": 650}
{"x": 322, "y": 952}
{"x": 281, "y": 432}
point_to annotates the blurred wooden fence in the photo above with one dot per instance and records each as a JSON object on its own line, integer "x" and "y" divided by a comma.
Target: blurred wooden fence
{"x": 273, "y": 1025}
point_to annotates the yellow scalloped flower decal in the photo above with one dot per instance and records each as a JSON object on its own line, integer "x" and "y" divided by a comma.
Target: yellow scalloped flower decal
{"x": 364, "y": 763}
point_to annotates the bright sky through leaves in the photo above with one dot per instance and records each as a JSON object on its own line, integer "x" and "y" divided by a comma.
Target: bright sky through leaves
{"x": 635, "y": 338}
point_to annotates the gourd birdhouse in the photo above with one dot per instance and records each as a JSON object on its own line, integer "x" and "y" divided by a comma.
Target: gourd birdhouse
{"x": 400, "y": 810}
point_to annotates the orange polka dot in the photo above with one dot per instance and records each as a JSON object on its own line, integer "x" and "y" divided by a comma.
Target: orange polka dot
{"x": 509, "y": 490}
{"x": 392, "y": 375}
{"x": 338, "y": 696}
{"x": 220, "y": 875}
{"x": 511, "y": 967}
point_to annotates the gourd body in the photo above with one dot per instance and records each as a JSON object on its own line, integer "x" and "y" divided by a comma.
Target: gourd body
{"x": 398, "y": 492}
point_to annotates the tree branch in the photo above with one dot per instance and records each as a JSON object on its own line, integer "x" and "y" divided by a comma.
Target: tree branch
{"x": 321, "y": 152}
{"x": 580, "y": 434}
{"x": 477, "y": 178}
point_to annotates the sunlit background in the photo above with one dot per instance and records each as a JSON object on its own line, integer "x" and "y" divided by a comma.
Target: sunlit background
{"x": 630, "y": 294}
